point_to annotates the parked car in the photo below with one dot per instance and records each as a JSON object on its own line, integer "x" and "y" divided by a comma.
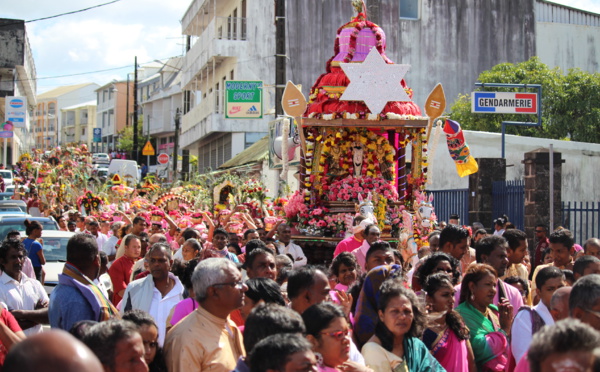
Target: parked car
{"x": 100, "y": 158}
{"x": 9, "y": 223}
{"x": 55, "y": 251}
{"x": 12, "y": 210}
{"x": 18, "y": 203}
{"x": 102, "y": 174}
{"x": 8, "y": 176}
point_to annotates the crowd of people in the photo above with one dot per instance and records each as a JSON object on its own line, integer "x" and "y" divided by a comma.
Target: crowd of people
{"x": 135, "y": 297}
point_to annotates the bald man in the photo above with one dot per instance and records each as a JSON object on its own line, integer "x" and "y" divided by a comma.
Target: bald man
{"x": 559, "y": 304}
{"x": 51, "y": 351}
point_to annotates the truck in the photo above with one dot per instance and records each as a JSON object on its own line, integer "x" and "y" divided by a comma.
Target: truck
{"x": 128, "y": 170}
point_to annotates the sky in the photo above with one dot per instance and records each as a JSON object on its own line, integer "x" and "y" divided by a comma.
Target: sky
{"x": 109, "y": 37}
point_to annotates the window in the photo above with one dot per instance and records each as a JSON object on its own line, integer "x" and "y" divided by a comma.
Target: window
{"x": 251, "y": 138}
{"x": 409, "y": 9}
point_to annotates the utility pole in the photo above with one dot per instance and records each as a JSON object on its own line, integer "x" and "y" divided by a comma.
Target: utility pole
{"x": 280, "y": 56}
{"x": 176, "y": 144}
{"x": 135, "y": 113}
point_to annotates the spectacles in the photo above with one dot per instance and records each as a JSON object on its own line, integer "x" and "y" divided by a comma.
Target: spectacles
{"x": 595, "y": 313}
{"x": 236, "y": 285}
{"x": 339, "y": 335}
{"x": 539, "y": 231}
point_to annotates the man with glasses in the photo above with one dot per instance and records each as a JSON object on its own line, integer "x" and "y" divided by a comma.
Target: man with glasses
{"x": 207, "y": 338}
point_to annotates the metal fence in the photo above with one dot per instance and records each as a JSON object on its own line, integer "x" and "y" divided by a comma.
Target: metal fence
{"x": 453, "y": 201}
{"x": 508, "y": 197}
{"x": 582, "y": 218}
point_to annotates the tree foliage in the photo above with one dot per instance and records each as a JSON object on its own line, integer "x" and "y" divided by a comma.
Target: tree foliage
{"x": 571, "y": 102}
{"x": 125, "y": 142}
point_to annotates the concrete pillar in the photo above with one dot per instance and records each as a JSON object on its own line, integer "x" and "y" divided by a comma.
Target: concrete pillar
{"x": 480, "y": 189}
{"x": 537, "y": 191}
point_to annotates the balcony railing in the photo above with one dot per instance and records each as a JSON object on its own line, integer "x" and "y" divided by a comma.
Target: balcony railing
{"x": 214, "y": 103}
{"x": 215, "y": 41}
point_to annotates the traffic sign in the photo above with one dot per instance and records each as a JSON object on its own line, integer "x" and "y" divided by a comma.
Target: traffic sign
{"x": 243, "y": 99}
{"x": 504, "y": 103}
{"x": 148, "y": 150}
{"x": 162, "y": 159}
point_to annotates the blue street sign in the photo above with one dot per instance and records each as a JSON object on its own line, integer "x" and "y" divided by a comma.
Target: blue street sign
{"x": 97, "y": 135}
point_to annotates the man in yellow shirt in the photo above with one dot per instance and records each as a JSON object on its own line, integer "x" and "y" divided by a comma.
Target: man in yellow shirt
{"x": 208, "y": 339}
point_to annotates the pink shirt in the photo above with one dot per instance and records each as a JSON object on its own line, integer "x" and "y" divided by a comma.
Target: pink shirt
{"x": 347, "y": 245}
{"x": 183, "y": 309}
{"x": 513, "y": 295}
{"x": 361, "y": 254}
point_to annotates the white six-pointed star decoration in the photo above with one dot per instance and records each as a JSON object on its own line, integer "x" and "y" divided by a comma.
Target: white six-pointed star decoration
{"x": 375, "y": 82}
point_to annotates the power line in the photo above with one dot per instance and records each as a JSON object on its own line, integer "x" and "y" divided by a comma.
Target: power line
{"x": 62, "y": 14}
{"x": 73, "y": 12}
{"x": 88, "y": 72}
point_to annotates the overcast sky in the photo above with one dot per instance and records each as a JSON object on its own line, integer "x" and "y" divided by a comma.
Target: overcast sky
{"x": 110, "y": 36}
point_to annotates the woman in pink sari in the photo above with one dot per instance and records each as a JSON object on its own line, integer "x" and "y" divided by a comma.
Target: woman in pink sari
{"x": 446, "y": 336}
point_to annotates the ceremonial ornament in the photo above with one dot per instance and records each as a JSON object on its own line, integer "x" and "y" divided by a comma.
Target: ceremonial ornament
{"x": 375, "y": 82}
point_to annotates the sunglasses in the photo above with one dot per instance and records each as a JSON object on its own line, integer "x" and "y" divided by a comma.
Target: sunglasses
{"x": 339, "y": 335}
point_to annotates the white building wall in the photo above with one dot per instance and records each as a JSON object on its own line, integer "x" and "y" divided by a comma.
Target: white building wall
{"x": 580, "y": 169}
{"x": 569, "y": 46}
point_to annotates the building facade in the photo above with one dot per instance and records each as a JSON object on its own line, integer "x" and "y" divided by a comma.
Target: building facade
{"x": 17, "y": 78}
{"x": 228, "y": 40}
{"x": 114, "y": 104}
{"x": 162, "y": 100}
{"x": 78, "y": 123}
{"x": 47, "y": 128}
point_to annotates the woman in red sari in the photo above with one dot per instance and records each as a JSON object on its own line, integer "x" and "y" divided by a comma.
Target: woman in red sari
{"x": 446, "y": 336}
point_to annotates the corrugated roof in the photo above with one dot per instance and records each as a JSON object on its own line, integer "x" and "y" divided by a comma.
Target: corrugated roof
{"x": 253, "y": 154}
{"x": 57, "y": 92}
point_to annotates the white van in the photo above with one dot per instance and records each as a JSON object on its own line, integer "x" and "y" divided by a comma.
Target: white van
{"x": 126, "y": 169}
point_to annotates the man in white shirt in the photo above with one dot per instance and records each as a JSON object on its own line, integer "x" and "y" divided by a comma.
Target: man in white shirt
{"x": 110, "y": 246}
{"x": 158, "y": 292}
{"x": 529, "y": 320}
{"x": 23, "y": 296}
{"x": 286, "y": 246}
{"x": 93, "y": 228}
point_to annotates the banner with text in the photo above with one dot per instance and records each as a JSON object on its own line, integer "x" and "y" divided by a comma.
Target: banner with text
{"x": 243, "y": 99}
{"x": 16, "y": 111}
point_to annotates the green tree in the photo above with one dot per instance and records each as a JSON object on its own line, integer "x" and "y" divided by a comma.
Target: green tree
{"x": 125, "y": 142}
{"x": 571, "y": 102}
